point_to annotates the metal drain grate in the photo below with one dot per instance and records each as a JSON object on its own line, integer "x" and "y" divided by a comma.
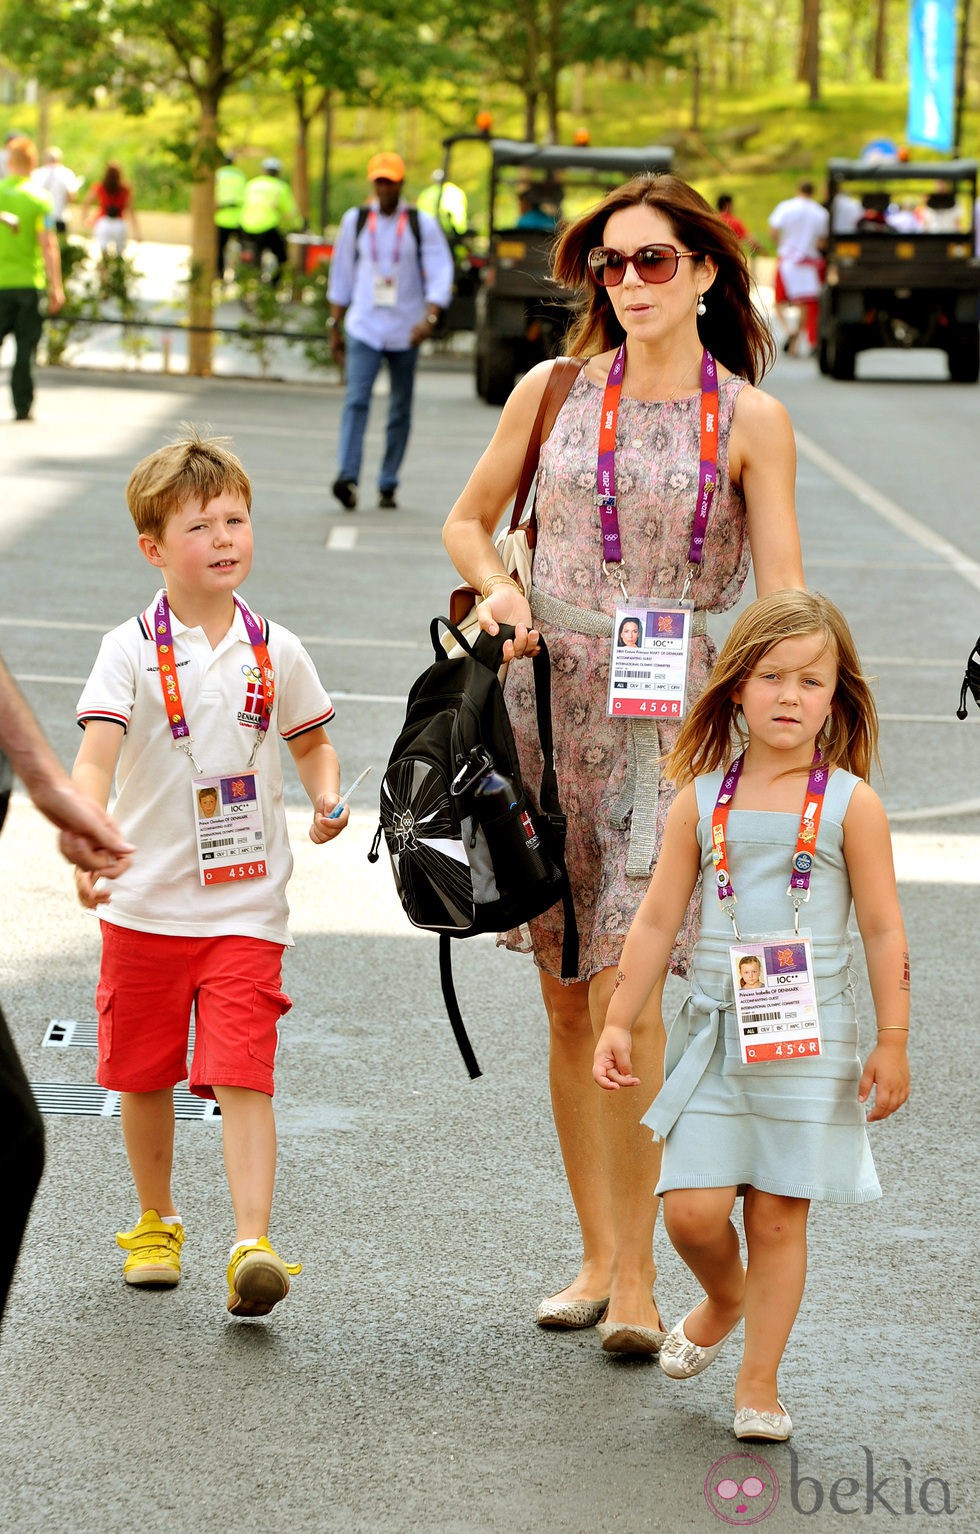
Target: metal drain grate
{"x": 95, "y": 1102}
{"x": 66, "y": 1032}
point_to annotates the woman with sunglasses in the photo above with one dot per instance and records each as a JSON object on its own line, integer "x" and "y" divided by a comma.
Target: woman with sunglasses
{"x": 665, "y": 472}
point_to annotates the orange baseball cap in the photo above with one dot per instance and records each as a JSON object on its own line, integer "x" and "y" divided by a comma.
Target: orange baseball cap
{"x": 386, "y": 167}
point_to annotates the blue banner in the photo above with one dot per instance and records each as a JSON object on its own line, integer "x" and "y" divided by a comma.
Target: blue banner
{"x": 932, "y": 71}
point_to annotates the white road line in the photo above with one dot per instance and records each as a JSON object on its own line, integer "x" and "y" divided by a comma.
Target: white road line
{"x": 939, "y": 663}
{"x": 938, "y": 811}
{"x": 949, "y": 718}
{"x": 914, "y": 660}
{"x": 39, "y": 679}
{"x": 49, "y": 623}
{"x": 341, "y": 538}
{"x": 338, "y": 641}
{"x": 891, "y": 512}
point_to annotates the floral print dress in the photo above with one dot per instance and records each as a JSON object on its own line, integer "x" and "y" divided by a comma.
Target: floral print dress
{"x": 657, "y": 457}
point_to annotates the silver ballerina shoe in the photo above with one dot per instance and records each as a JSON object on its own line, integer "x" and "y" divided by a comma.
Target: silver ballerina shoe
{"x": 681, "y": 1359}
{"x": 769, "y": 1426}
{"x": 570, "y": 1315}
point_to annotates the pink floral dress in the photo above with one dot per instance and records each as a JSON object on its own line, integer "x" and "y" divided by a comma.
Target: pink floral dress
{"x": 657, "y": 453}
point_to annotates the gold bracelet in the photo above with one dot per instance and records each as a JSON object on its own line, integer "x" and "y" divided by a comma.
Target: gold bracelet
{"x": 892, "y": 1028}
{"x": 486, "y": 589}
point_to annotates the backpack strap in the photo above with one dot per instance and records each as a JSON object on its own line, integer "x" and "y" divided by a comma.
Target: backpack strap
{"x": 452, "y": 1006}
{"x": 414, "y": 224}
{"x": 550, "y": 805}
{"x": 564, "y": 371}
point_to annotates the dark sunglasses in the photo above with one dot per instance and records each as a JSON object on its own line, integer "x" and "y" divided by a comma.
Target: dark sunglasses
{"x": 654, "y": 263}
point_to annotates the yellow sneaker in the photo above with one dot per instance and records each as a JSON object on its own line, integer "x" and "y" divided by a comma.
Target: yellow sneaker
{"x": 154, "y": 1251}
{"x": 258, "y": 1278}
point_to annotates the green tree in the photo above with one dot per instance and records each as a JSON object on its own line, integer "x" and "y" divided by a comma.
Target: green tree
{"x": 529, "y": 44}
{"x": 329, "y": 50}
{"x": 201, "y": 48}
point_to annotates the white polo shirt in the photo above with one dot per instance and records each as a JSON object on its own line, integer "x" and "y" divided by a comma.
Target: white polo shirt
{"x": 154, "y": 804}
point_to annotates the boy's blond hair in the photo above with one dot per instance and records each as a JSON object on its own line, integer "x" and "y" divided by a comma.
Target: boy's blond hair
{"x": 194, "y": 468}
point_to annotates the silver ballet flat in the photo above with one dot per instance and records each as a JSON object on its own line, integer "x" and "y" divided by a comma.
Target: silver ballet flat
{"x": 681, "y": 1359}
{"x": 616, "y": 1337}
{"x": 770, "y": 1426}
{"x": 571, "y": 1315}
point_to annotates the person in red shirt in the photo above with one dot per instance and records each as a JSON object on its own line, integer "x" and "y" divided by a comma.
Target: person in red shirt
{"x": 724, "y": 206}
{"x": 115, "y": 214}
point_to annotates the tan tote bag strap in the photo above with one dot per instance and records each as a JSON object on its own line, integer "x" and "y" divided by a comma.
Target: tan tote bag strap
{"x": 563, "y": 374}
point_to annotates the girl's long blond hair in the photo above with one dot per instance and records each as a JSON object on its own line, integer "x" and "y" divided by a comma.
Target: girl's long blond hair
{"x": 713, "y": 732}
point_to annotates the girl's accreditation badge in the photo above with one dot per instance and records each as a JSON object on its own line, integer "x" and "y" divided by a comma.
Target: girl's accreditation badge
{"x": 775, "y": 998}
{"x": 651, "y": 646}
{"x": 230, "y": 832}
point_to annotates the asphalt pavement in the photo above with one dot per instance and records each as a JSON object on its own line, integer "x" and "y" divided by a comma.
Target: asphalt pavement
{"x": 403, "y": 1386}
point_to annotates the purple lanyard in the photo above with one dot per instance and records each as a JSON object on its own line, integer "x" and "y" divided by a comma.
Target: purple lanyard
{"x": 612, "y": 548}
{"x": 806, "y": 840}
{"x": 173, "y": 702}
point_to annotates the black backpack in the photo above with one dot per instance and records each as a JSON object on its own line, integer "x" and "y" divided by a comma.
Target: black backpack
{"x": 467, "y": 854}
{"x": 971, "y": 681}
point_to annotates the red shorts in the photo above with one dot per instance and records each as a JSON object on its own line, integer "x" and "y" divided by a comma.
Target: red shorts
{"x": 148, "y": 986}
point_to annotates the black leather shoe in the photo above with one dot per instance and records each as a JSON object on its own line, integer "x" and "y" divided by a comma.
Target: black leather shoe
{"x": 345, "y": 490}
{"x": 387, "y": 501}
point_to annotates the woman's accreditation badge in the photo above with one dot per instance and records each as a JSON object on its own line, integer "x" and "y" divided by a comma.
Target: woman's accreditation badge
{"x": 230, "y": 830}
{"x": 651, "y": 646}
{"x": 775, "y": 998}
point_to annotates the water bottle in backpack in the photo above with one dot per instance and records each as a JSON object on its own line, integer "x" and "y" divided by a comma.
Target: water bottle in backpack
{"x": 512, "y": 837}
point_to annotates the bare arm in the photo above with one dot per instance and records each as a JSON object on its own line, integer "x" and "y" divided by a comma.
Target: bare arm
{"x": 652, "y": 935}
{"x": 88, "y": 836}
{"x": 92, "y": 774}
{"x": 870, "y": 867}
{"x": 51, "y": 251}
{"x": 319, "y": 772}
{"x": 468, "y": 532}
{"x": 762, "y": 460}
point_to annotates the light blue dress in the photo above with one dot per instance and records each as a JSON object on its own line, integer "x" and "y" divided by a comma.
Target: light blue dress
{"x": 788, "y": 1127}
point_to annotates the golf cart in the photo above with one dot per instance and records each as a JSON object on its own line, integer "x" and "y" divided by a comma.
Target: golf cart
{"x": 520, "y": 315}
{"x": 901, "y": 267}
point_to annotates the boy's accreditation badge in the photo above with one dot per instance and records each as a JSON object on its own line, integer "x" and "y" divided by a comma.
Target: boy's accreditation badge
{"x": 775, "y": 998}
{"x": 230, "y": 832}
{"x": 384, "y": 292}
{"x": 651, "y": 645}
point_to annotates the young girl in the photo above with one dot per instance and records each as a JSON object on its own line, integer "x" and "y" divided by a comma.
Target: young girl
{"x": 758, "y": 1099}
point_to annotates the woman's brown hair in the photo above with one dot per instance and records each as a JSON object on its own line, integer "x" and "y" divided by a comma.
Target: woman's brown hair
{"x": 733, "y": 330}
{"x": 713, "y": 733}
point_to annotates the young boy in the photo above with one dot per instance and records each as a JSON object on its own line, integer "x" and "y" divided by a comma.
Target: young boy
{"x": 192, "y": 695}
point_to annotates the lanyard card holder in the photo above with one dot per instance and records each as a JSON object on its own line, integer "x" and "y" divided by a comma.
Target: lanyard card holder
{"x": 775, "y": 997}
{"x": 230, "y": 829}
{"x": 651, "y": 648}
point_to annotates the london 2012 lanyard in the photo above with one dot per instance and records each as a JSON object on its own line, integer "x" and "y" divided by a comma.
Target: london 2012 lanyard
{"x": 170, "y": 684}
{"x": 372, "y": 226}
{"x": 612, "y": 548}
{"x": 806, "y": 839}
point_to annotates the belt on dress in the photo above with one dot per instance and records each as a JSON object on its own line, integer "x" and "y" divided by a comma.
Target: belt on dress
{"x": 640, "y": 794}
{"x": 687, "y": 1059}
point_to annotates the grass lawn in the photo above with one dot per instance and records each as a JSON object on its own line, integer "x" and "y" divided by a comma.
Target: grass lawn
{"x": 756, "y": 145}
